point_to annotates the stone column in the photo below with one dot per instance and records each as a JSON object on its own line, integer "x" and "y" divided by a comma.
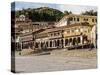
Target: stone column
{"x": 81, "y": 40}
{"x": 64, "y": 42}
{"x": 48, "y": 44}
{"x": 71, "y": 41}
{"x": 54, "y": 43}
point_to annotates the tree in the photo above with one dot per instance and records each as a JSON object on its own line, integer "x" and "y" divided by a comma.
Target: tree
{"x": 43, "y": 14}
{"x": 91, "y": 13}
{"x": 67, "y": 12}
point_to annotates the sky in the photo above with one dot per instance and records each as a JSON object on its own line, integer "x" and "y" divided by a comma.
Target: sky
{"x": 76, "y": 9}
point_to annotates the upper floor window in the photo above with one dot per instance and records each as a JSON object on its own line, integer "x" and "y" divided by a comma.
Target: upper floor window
{"x": 58, "y": 33}
{"x": 85, "y": 19}
{"x": 74, "y": 19}
{"x": 51, "y": 34}
{"x": 71, "y": 19}
{"x": 77, "y": 19}
{"x": 95, "y": 20}
{"x": 92, "y": 20}
{"x": 55, "y": 34}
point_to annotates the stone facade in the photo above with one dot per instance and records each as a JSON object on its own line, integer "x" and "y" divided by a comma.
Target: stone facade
{"x": 72, "y": 31}
{"x": 27, "y": 40}
{"x": 49, "y": 39}
{"x": 75, "y": 19}
{"x": 63, "y": 37}
{"x": 24, "y": 28}
{"x": 77, "y": 35}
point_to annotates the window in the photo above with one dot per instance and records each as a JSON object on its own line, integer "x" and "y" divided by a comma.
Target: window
{"x": 50, "y": 43}
{"x": 55, "y": 34}
{"x": 85, "y": 19}
{"x": 77, "y": 19}
{"x": 92, "y": 20}
{"x": 74, "y": 19}
{"x": 47, "y": 43}
{"x": 51, "y": 34}
{"x": 71, "y": 19}
{"x": 95, "y": 20}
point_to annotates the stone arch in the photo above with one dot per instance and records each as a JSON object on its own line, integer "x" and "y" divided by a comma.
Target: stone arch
{"x": 78, "y": 40}
{"x": 58, "y": 42}
{"x": 36, "y": 45}
{"x": 74, "y": 41}
{"x": 66, "y": 42}
{"x": 62, "y": 43}
{"x": 70, "y": 41}
{"x": 46, "y": 43}
{"x": 44, "y": 46}
{"x": 41, "y": 44}
{"x": 51, "y": 43}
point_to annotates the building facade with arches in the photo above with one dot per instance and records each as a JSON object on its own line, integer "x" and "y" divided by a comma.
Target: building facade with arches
{"x": 73, "y": 36}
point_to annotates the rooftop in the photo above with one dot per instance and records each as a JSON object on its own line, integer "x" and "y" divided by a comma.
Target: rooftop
{"x": 60, "y": 28}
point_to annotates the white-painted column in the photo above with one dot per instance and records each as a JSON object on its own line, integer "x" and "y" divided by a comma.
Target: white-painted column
{"x": 52, "y": 44}
{"x": 64, "y": 42}
{"x": 48, "y": 44}
{"x": 81, "y": 40}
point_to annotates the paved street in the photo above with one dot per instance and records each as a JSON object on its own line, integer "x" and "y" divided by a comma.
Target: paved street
{"x": 45, "y": 63}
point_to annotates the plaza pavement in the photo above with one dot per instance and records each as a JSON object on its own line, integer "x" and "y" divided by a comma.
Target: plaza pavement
{"x": 52, "y": 62}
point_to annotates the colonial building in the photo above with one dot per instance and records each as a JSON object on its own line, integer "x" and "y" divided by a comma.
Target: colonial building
{"x": 26, "y": 41}
{"x": 24, "y": 28}
{"x": 72, "y": 31}
{"x": 71, "y": 36}
{"x": 75, "y": 19}
{"x": 42, "y": 25}
{"x": 23, "y": 24}
{"x": 49, "y": 39}
{"x": 77, "y": 35}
